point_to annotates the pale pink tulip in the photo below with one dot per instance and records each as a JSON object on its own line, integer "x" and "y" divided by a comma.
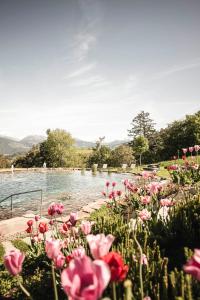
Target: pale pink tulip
{"x": 85, "y": 279}
{"x": 73, "y": 218}
{"x": 145, "y": 199}
{"x": 191, "y": 149}
{"x": 78, "y": 252}
{"x": 154, "y": 187}
{"x": 144, "y": 215}
{"x": 52, "y": 248}
{"x": 147, "y": 298}
{"x": 59, "y": 208}
{"x": 146, "y": 174}
{"x": 144, "y": 260}
{"x": 196, "y": 148}
{"x": 166, "y": 202}
{"x": 99, "y": 244}
{"x": 193, "y": 265}
{"x": 184, "y": 150}
{"x": 59, "y": 261}
{"x": 86, "y": 227}
{"x": 13, "y": 262}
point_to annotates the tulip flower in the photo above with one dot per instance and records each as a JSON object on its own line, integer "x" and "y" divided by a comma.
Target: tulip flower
{"x": 78, "y": 252}
{"x": 52, "y": 209}
{"x": 30, "y": 223}
{"x": 119, "y": 193}
{"x": 114, "y": 184}
{"x": 166, "y": 202}
{"x": 59, "y": 208}
{"x": 145, "y": 199}
{"x": 86, "y": 227}
{"x": 196, "y": 148}
{"x": 154, "y": 187}
{"x": 193, "y": 265}
{"x": 52, "y": 248}
{"x": 59, "y": 261}
{"x": 99, "y": 244}
{"x": 184, "y": 150}
{"x": 85, "y": 279}
{"x": 191, "y": 149}
{"x": 43, "y": 227}
{"x": 73, "y": 218}
{"x": 107, "y": 184}
{"x": 13, "y": 262}
{"x": 117, "y": 267}
{"x": 144, "y": 215}
{"x": 37, "y": 218}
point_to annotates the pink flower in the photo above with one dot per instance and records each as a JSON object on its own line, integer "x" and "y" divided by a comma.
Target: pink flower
{"x": 52, "y": 248}
{"x": 196, "y": 148}
{"x": 13, "y": 262}
{"x": 37, "y": 218}
{"x": 193, "y": 265}
{"x": 119, "y": 193}
{"x": 166, "y": 202}
{"x": 30, "y": 223}
{"x": 59, "y": 208}
{"x": 144, "y": 215}
{"x": 172, "y": 168}
{"x": 145, "y": 199}
{"x": 59, "y": 261}
{"x": 85, "y": 279}
{"x": 184, "y": 150}
{"x": 112, "y": 195}
{"x": 146, "y": 174}
{"x": 104, "y": 193}
{"x": 99, "y": 244}
{"x": 114, "y": 184}
{"x": 86, "y": 227}
{"x": 191, "y": 149}
{"x": 154, "y": 187}
{"x": 73, "y": 218}
{"x": 107, "y": 183}
{"x": 78, "y": 252}
{"x": 147, "y": 298}
{"x": 126, "y": 182}
{"x": 144, "y": 260}
{"x": 52, "y": 209}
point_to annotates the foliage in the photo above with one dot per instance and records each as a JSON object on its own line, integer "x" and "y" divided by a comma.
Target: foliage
{"x": 2, "y": 252}
{"x": 4, "y": 162}
{"x": 21, "y": 245}
{"x": 122, "y": 154}
{"x": 140, "y": 145}
{"x": 100, "y": 156}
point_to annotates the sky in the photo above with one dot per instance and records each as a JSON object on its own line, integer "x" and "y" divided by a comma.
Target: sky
{"x": 90, "y": 66}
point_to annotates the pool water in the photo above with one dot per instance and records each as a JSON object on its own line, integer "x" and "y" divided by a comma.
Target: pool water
{"x": 74, "y": 189}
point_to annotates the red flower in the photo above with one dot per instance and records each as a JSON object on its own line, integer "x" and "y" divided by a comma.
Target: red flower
{"x": 43, "y": 227}
{"x": 30, "y": 223}
{"x": 117, "y": 267}
{"x": 68, "y": 258}
{"x": 184, "y": 157}
{"x": 66, "y": 226}
{"x": 29, "y": 229}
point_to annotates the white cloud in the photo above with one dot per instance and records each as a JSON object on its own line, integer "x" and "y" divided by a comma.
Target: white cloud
{"x": 81, "y": 71}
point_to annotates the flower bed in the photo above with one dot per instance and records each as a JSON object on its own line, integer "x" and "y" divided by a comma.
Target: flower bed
{"x": 138, "y": 246}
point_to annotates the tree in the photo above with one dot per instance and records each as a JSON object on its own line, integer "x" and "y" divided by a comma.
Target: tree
{"x": 121, "y": 154}
{"x": 142, "y": 125}
{"x": 140, "y": 145}
{"x": 100, "y": 156}
{"x": 58, "y": 149}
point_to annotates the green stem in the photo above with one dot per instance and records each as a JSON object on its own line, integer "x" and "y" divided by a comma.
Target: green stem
{"x": 140, "y": 270}
{"x": 114, "y": 291}
{"x": 54, "y": 281}
{"x": 23, "y": 289}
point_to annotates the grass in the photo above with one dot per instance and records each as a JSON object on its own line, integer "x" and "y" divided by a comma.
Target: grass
{"x": 2, "y": 252}
{"x": 21, "y": 245}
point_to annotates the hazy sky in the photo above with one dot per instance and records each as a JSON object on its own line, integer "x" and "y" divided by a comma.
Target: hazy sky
{"x": 90, "y": 66}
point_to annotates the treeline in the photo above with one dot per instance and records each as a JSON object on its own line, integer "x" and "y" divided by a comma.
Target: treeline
{"x": 146, "y": 144}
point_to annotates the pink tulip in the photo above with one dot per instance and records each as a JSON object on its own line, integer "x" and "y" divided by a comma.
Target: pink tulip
{"x": 59, "y": 261}
{"x": 193, "y": 265}
{"x": 172, "y": 168}
{"x": 52, "y": 209}
{"x": 104, "y": 193}
{"x": 145, "y": 199}
{"x": 154, "y": 187}
{"x": 147, "y": 298}
{"x": 37, "y": 218}
{"x": 166, "y": 202}
{"x": 107, "y": 184}
{"x": 86, "y": 227}
{"x": 114, "y": 184}
{"x": 99, "y": 244}
{"x": 52, "y": 248}
{"x": 196, "y": 148}
{"x": 191, "y": 149}
{"x": 144, "y": 215}
{"x": 73, "y": 218}
{"x": 78, "y": 252}
{"x": 119, "y": 193}
{"x": 184, "y": 150}
{"x": 85, "y": 279}
{"x": 146, "y": 174}
{"x": 144, "y": 260}
{"x": 59, "y": 208}
{"x": 13, "y": 262}
{"x": 126, "y": 182}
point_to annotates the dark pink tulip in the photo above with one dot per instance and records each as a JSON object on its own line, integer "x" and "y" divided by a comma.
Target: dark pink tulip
{"x": 59, "y": 261}
{"x": 13, "y": 262}
{"x": 52, "y": 248}
{"x": 73, "y": 218}
{"x": 193, "y": 265}
{"x": 85, "y": 279}
{"x": 37, "y": 218}
{"x": 99, "y": 244}
{"x": 107, "y": 183}
{"x": 59, "y": 208}
{"x": 114, "y": 184}
{"x": 52, "y": 209}
{"x": 119, "y": 193}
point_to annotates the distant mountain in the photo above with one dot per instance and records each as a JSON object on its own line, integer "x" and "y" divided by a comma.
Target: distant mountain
{"x": 31, "y": 140}
{"x": 11, "y": 146}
